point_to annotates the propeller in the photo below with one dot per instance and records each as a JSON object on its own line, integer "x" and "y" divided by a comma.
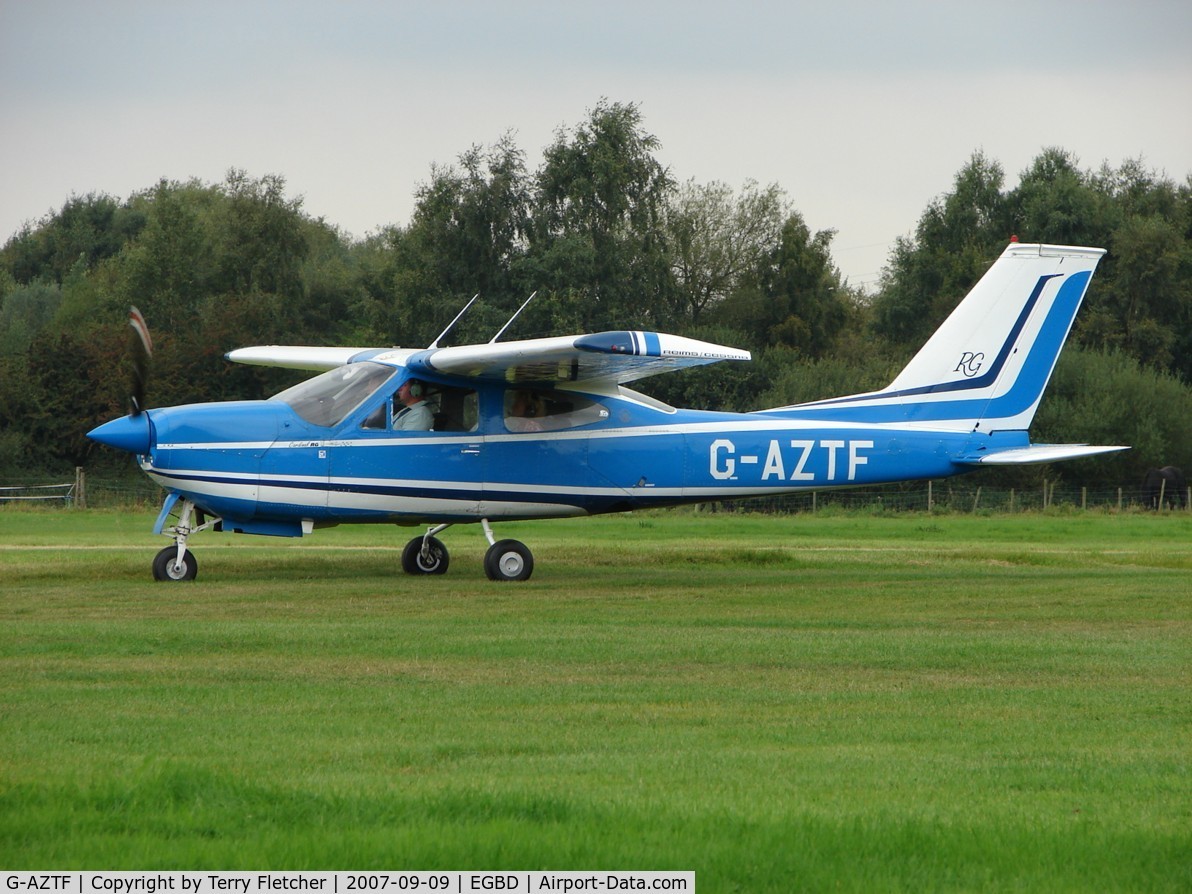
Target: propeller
{"x": 132, "y": 433}
{"x": 142, "y": 353}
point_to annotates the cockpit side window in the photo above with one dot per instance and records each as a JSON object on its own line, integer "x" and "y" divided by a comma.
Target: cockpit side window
{"x": 529, "y": 410}
{"x": 456, "y": 409}
{"x": 447, "y": 407}
{"x": 378, "y": 419}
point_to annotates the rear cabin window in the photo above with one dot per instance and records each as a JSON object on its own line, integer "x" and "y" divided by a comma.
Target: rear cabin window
{"x": 532, "y": 410}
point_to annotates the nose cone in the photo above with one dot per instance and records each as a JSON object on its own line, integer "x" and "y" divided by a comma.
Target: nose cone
{"x": 129, "y": 433}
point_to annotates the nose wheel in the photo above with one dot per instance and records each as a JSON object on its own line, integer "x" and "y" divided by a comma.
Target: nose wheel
{"x": 169, "y": 565}
{"x": 176, "y": 562}
{"x": 425, "y": 555}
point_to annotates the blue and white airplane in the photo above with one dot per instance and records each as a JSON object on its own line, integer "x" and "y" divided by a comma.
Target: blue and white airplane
{"x": 546, "y": 428}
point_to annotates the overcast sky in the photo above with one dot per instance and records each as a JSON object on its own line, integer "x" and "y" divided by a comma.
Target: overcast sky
{"x": 861, "y": 112}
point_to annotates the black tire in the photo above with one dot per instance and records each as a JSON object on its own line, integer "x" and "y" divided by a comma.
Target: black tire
{"x": 435, "y": 560}
{"x": 508, "y": 560}
{"x": 165, "y": 565}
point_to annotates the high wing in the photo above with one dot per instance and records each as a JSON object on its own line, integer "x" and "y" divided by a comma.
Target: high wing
{"x": 602, "y": 359}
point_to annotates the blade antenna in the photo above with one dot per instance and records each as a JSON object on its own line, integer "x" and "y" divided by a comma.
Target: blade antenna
{"x": 514, "y": 317}
{"x": 435, "y": 343}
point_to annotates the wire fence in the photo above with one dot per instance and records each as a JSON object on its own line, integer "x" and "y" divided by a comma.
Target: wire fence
{"x": 945, "y": 496}
{"x": 84, "y": 492}
{"x": 952, "y": 496}
{"x": 37, "y": 493}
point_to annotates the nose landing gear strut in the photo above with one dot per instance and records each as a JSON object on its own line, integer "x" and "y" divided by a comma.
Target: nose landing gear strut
{"x": 177, "y": 562}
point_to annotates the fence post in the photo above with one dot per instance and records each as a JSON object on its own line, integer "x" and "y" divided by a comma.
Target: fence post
{"x": 930, "y": 503}
{"x": 80, "y": 488}
{"x": 976, "y": 499}
{"x": 1044, "y": 493}
{"x": 1119, "y": 499}
{"x": 1011, "y": 499}
{"x": 1084, "y": 498}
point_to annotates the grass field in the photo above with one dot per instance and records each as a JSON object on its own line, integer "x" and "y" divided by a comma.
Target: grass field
{"x": 827, "y": 702}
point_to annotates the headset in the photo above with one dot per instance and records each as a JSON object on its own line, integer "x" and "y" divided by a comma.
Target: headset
{"x": 416, "y": 388}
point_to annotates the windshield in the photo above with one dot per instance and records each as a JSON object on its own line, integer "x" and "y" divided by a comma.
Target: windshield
{"x": 326, "y": 399}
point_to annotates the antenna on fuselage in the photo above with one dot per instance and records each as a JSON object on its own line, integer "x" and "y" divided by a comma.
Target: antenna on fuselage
{"x": 435, "y": 343}
{"x": 512, "y": 318}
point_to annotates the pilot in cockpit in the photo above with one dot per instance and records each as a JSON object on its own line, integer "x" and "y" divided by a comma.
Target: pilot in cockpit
{"x": 415, "y": 414}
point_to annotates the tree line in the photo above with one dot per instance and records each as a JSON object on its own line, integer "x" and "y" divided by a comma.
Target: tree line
{"x": 609, "y": 239}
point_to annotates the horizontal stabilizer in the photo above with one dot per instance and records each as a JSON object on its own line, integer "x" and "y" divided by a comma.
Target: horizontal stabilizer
{"x": 1035, "y": 454}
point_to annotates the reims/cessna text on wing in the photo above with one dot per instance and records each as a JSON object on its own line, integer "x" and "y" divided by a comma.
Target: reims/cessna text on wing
{"x": 545, "y": 428}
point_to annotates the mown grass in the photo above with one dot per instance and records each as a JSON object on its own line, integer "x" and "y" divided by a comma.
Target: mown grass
{"x": 903, "y": 702}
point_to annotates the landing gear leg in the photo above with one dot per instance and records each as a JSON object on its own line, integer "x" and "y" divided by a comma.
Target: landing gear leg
{"x": 426, "y": 554}
{"x": 506, "y": 560}
{"x": 177, "y": 562}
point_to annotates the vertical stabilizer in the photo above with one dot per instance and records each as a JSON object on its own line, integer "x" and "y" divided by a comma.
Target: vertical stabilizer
{"x": 986, "y": 367}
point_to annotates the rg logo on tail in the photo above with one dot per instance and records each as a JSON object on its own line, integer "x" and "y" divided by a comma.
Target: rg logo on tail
{"x": 970, "y": 363}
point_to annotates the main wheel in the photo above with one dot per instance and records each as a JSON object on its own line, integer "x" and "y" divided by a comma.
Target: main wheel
{"x": 508, "y": 560}
{"x": 166, "y": 567}
{"x": 433, "y": 561}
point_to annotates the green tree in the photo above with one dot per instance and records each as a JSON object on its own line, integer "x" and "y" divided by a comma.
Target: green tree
{"x": 717, "y": 240}
{"x": 597, "y": 228}
{"x": 1109, "y": 398}
{"x": 1055, "y": 202}
{"x": 378, "y": 313}
{"x": 331, "y": 280}
{"x": 793, "y": 297}
{"x": 262, "y": 242}
{"x": 24, "y": 312}
{"x": 956, "y": 239}
{"x": 170, "y": 268}
{"x": 88, "y": 228}
{"x": 467, "y": 237}
{"x": 1152, "y": 299}
{"x": 1141, "y": 299}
